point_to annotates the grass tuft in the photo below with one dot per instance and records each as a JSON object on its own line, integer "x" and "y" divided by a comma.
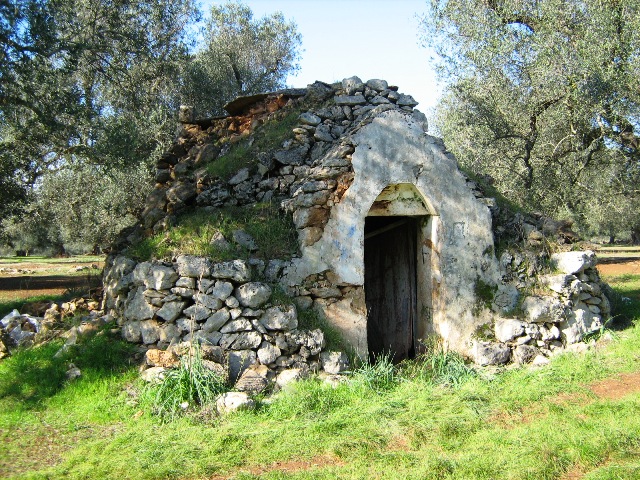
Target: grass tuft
{"x": 439, "y": 366}
{"x": 191, "y": 384}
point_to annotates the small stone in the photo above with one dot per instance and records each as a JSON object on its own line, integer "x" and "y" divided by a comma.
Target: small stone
{"x": 334, "y": 362}
{"x": 280, "y": 318}
{"x": 187, "y": 324}
{"x": 323, "y": 134}
{"x": 542, "y": 309}
{"x": 232, "y": 302}
{"x": 246, "y": 340}
{"x": 236, "y": 270}
{"x": 221, "y": 290}
{"x": 239, "y": 361}
{"x": 137, "y": 307}
{"x": 131, "y": 332}
{"x": 352, "y": 85}
{"x": 308, "y": 118}
{"x": 161, "y": 358}
{"x": 171, "y": 310}
{"x": 252, "y": 313}
{"x": 254, "y": 380}
{"x": 234, "y": 401}
{"x": 227, "y": 340}
{"x": 239, "y": 177}
{"x": 218, "y": 241}
{"x": 205, "y": 284}
{"x": 153, "y": 374}
{"x": 239, "y": 325}
{"x": 245, "y": 240}
{"x": 192, "y": 266}
{"x": 207, "y": 301}
{"x": 525, "y": 354}
{"x": 160, "y": 277}
{"x": 351, "y": 100}
{"x": 377, "y": 85}
{"x": 491, "y": 353}
{"x": 406, "y": 101}
{"x": 573, "y": 262}
{"x": 206, "y": 338}
{"x": 73, "y": 372}
{"x": 197, "y": 312}
{"x": 540, "y": 360}
{"x": 186, "y": 282}
{"x": 183, "y": 292}
{"x": 289, "y": 376}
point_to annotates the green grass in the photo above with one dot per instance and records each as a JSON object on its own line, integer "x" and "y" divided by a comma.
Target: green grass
{"x": 432, "y": 418}
{"x": 273, "y": 231}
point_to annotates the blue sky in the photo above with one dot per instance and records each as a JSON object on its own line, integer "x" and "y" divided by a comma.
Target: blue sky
{"x": 367, "y": 38}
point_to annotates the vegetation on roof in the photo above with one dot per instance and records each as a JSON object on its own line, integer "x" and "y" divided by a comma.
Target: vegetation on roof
{"x": 266, "y": 138}
{"x": 272, "y": 230}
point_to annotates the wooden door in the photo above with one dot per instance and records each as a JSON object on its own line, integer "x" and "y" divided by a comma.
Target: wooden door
{"x": 390, "y": 285}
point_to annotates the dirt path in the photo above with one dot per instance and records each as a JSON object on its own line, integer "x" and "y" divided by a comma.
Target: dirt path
{"x": 619, "y": 267}
{"x": 20, "y": 280}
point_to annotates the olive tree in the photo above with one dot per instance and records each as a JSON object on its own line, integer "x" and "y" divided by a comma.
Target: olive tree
{"x": 240, "y": 55}
{"x": 543, "y": 96}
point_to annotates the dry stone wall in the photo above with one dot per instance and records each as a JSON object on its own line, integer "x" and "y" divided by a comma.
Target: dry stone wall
{"x": 542, "y": 313}
{"x": 163, "y": 304}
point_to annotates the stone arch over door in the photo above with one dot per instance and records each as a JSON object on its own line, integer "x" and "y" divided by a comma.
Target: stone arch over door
{"x": 398, "y": 262}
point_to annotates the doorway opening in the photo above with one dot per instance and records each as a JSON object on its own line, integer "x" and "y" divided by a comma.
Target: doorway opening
{"x": 390, "y": 279}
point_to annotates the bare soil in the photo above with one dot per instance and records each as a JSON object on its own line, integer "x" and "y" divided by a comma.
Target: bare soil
{"x": 29, "y": 279}
{"x": 620, "y": 266}
{"x": 291, "y": 466}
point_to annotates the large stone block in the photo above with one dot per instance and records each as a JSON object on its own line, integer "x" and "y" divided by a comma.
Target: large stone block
{"x": 137, "y": 307}
{"x": 253, "y": 294}
{"x": 160, "y": 277}
{"x": 280, "y": 318}
{"x": 192, "y": 266}
{"x": 236, "y": 270}
{"x": 542, "y": 309}
{"x": 573, "y": 262}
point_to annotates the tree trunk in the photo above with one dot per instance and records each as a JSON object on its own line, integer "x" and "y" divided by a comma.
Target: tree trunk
{"x": 635, "y": 235}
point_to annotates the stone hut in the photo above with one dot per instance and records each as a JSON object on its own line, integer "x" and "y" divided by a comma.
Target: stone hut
{"x": 395, "y": 243}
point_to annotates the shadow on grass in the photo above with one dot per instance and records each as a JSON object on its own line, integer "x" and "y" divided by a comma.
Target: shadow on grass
{"x": 623, "y": 293}
{"x": 32, "y": 375}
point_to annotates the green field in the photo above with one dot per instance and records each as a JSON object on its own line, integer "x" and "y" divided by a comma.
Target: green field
{"x": 578, "y": 417}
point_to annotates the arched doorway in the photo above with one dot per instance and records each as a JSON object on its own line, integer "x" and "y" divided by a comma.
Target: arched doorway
{"x": 396, "y": 268}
